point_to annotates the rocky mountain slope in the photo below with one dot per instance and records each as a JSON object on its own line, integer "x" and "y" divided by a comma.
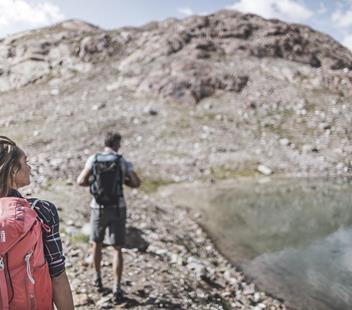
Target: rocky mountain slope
{"x": 206, "y": 98}
{"x": 237, "y": 89}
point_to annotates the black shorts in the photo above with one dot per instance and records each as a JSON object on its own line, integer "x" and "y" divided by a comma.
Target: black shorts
{"x": 111, "y": 221}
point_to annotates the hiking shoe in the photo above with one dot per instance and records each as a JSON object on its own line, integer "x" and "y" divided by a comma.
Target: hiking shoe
{"x": 118, "y": 297}
{"x": 98, "y": 284}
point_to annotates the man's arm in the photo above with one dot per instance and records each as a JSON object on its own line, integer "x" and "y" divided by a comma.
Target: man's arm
{"x": 132, "y": 180}
{"x": 83, "y": 178}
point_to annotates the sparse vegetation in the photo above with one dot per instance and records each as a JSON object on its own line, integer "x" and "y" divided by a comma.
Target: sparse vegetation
{"x": 152, "y": 185}
{"x": 226, "y": 172}
{"x": 79, "y": 237}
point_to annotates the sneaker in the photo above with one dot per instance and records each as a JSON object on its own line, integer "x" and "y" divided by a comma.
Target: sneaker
{"x": 98, "y": 284}
{"x": 118, "y": 296}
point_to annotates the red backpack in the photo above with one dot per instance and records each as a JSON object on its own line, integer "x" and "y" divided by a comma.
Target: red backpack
{"x": 25, "y": 282}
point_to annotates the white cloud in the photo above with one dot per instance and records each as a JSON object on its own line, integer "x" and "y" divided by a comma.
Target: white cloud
{"x": 347, "y": 41}
{"x": 289, "y": 10}
{"x": 27, "y": 14}
{"x": 186, "y": 11}
{"x": 190, "y": 12}
{"x": 342, "y": 19}
{"x": 322, "y": 8}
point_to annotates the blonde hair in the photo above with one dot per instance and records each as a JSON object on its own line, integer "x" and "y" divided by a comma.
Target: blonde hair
{"x": 10, "y": 155}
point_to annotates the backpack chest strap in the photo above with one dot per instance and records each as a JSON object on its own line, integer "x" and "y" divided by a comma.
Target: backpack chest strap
{"x": 4, "y": 294}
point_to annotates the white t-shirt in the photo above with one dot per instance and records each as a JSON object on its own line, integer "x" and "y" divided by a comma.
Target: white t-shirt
{"x": 126, "y": 167}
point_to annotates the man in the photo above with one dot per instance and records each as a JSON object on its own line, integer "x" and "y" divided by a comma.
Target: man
{"x": 105, "y": 213}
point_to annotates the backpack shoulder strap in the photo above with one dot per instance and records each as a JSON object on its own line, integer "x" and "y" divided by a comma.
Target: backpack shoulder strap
{"x": 95, "y": 161}
{"x": 4, "y": 292}
{"x": 118, "y": 157}
{"x": 36, "y": 204}
{"x": 33, "y": 204}
{"x": 121, "y": 181}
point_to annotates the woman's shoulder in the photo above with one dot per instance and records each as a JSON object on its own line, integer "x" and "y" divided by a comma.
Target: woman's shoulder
{"x": 40, "y": 203}
{"x": 46, "y": 210}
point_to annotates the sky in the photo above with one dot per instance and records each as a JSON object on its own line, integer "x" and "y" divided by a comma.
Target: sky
{"x": 330, "y": 16}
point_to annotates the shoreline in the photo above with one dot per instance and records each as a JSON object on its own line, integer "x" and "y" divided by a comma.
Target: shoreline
{"x": 195, "y": 215}
{"x": 238, "y": 267}
{"x": 180, "y": 269}
{"x": 169, "y": 249}
{"x": 232, "y": 274}
{"x": 181, "y": 194}
{"x": 182, "y": 266}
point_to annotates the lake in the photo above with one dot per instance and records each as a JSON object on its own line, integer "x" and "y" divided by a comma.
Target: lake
{"x": 292, "y": 237}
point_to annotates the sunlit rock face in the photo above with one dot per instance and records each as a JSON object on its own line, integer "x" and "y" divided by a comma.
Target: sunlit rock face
{"x": 187, "y": 60}
{"x": 230, "y": 90}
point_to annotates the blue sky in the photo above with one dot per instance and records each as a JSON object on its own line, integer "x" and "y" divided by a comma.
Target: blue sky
{"x": 331, "y": 16}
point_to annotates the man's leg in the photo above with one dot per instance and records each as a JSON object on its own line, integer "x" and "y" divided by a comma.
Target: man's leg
{"x": 117, "y": 267}
{"x": 117, "y": 231}
{"x": 98, "y": 224}
{"x": 96, "y": 251}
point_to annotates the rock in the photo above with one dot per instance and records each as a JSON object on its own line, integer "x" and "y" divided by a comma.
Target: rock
{"x": 284, "y": 142}
{"x": 153, "y": 112}
{"x": 176, "y": 259}
{"x": 230, "y": 278}
{"x": 55, "y": 92}
{"x": 113, "y": 86}
{"x": 306, "y": 148}
{"x": 104, "y": 303}
{"x": 98, "y": 46}
{"x": 264, "y": 170}
{"x": 197, "y": 267}
{"x": 86, "y": 229}
{"x": 69, "y": 182}
{"x": 248, "y": 289}
{"x": 340, "y": 166}
{"x": 98, "y": 106}
{"x": 82, "y": 300}
{"x": 314, "y": 61}
{"x": 257, "y": 298}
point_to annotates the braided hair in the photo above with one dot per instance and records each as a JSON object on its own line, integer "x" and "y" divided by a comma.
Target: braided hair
{"x": 10, "y": 155}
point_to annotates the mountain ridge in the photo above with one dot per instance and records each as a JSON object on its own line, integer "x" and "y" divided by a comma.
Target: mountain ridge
{"x": 225, "y": 33}
{"x": 219, "y": 76}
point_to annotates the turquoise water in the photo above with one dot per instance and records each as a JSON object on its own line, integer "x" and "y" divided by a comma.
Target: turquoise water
{"x": 293, "y": 237}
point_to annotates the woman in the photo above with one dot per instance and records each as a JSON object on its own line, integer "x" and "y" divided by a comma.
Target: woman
{"x": 14, "y": 174}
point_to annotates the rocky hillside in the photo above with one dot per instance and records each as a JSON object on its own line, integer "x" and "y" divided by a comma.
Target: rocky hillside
{"x": 206, "y": 96}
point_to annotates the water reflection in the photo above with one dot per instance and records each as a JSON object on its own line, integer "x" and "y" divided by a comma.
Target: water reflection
{"x": 270, "y": 216}
{"x": 318, "y": 276}
{"x": 292, "y": 236}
